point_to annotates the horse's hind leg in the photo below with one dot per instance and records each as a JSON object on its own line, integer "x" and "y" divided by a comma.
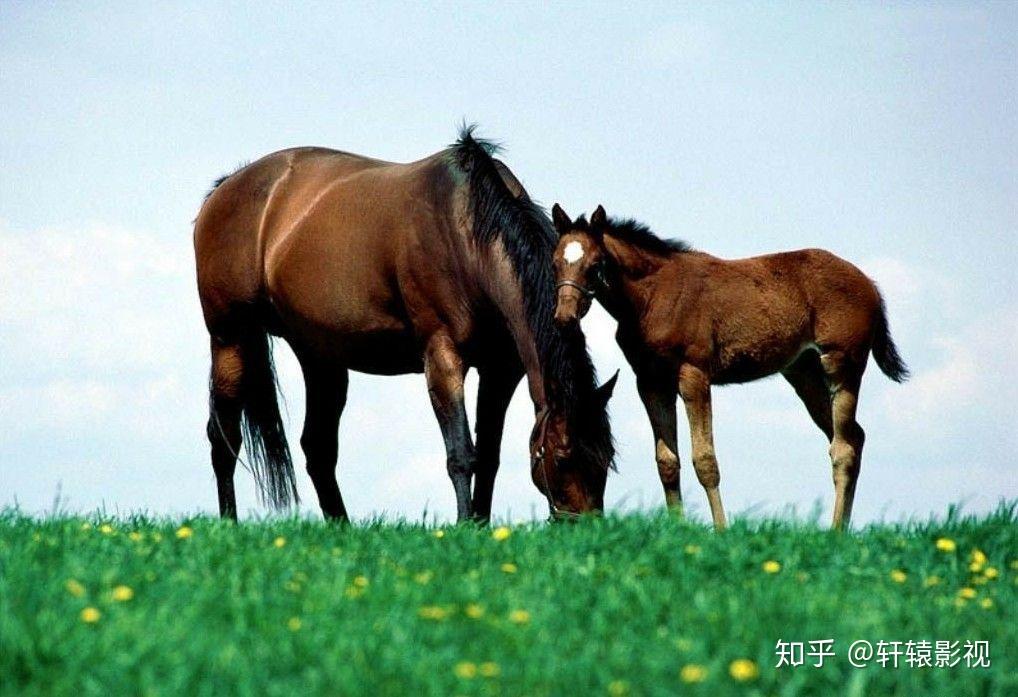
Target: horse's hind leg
{"x": 844, "y": 376}
{"x": 224, "y": 421}
{"x": 694, "y": 386}
{"x": 658, "y": 395}
{"x": 806, "y": 376}
{"x": 325, "y": 393}
{"x": 494, "y": 392}
{"x": 444, "y": 370}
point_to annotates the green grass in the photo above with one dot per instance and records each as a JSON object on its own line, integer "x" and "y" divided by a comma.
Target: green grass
{"x": 613, "y": 606}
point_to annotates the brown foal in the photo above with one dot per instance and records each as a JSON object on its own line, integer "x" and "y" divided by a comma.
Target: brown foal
{"x": 435, "y": 266}
{"x": 687, "y": 320}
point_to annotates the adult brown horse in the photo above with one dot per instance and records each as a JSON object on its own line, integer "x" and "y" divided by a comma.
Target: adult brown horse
{"x": 434, "y": 266}
{"x": 687, "y": 320}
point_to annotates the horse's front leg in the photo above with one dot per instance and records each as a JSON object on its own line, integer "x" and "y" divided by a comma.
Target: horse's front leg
{"x": 444, "y": 370}
{"x": 494, "y": 392}
{"x": 694, "y": 386}
{"x": 657, "y": 392}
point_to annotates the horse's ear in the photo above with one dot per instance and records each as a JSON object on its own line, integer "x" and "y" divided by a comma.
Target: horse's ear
{"x": 604, "y": 392}
{"x": 563, "y": 223}
{"x": 599, "y": 220}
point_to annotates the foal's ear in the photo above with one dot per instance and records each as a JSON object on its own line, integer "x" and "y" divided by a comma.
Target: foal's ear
{"x": 604, "y": 392}
{"x": 599, "y": 219}
{"x": 563, "y": 223}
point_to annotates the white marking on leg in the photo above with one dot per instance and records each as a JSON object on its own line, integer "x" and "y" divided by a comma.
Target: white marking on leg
{"x": 573, "y": 252}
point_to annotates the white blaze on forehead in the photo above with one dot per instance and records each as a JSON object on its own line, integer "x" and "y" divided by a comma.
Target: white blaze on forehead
{"x": 573, "y": 252}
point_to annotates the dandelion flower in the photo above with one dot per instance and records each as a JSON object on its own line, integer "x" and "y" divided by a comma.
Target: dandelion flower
{"x": 932, "y": 581}
{"x": 978, "y": 557}
{"x": 618, "y": 688}
{"x": 692, "y": 549}
{"x": 967, "y": 593}
{"x": 489, "y": 669}
{"x": 473, "y": 611}
{"x": 465, "y": 670}
{"x": 279, "y": 542}
{"x": 439, "y": 534}
{"x": 501, "y": 533}
{"x": 991, "y": 572}
{"x": 74, "y": 588}
{"x": 899, "y": 576}
{"x": 86, "y": 526}
{"x": 106, "y": 529}
{"x": 743, "y": 670}
{"x": 692, "y": 673}
{"x": 946, "y": 544}
{"x": 423, "y": 577}
{"x": 122, "y": 594}
{"x": 986, "y": 603}
{"x": 433, "y": 612}
{"x": 293, "y": 624}
{"x": 361, "y": 581}
{"x": 135, "y": 536}
{"x": 519, "y": 616}
{"x": 90, "y": 615}
{"x": 509, "y": 568}
{"x": 771, "y": 566}
{"x": 184, "y": 532}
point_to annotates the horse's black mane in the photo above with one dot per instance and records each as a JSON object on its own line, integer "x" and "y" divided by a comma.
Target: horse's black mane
{"x": 529, "y": 240}
{"x": 639, "y": 235}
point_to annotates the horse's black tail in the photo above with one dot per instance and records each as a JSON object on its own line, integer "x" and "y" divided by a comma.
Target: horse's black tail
{"x": 884, "y": 351}
{"x": 265, "y": 443}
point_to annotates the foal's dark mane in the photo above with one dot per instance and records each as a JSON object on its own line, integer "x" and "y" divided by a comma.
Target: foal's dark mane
{"x": 529, "y": 240}
{"x": 639, "y": 235}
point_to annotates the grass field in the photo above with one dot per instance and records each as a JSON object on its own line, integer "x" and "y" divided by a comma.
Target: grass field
{"x": 629, "y": 605}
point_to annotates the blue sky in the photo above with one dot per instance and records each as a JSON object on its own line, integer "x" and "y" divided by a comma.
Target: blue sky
{"x": 883, "y": 133}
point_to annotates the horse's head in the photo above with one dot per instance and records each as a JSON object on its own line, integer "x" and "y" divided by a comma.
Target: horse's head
{"x": 579, "y": 263}
{"x": 565, "y": 465}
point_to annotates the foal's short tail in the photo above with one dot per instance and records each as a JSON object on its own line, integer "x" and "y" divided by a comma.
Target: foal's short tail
{"x": 884, "y": 351}
{"x": 265, "y": 443}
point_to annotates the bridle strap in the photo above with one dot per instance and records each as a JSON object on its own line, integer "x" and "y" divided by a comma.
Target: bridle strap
{"x": 542, "y": 430}
{"x": 587, "y": 293}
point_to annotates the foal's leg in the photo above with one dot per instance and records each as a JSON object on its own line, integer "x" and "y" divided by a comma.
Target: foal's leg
{"x": 807, "y": 377}
{"x": 224, "y": 421}
{"x": 325, "y": 394}
{"x": 694, "y": 386}
{"x": 494, "y": 392}
{"x": 658, "y": 396}
{"x": 444, "y": 370}
{"x": 844, "y": 377}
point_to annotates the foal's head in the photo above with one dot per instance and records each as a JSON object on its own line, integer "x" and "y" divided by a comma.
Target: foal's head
{"x": 579, "y": 263}
{"x": 566, "y": 464}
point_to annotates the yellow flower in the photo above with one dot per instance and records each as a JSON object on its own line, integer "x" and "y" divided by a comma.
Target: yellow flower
{"x": 156, "y": 537}
{"x": 899, "y": 576}
{"x": 90, "y": 615}
{"x": 279, "y": 542}
{"x": 693, "y": 673}
{"x": 978, "y": 557}
{"x": 1014, "y": 565}
{"x": 293, "y": 624}
{"x": 967, "y": 593}
{"x": 122, "y": 593}
{"x": 106, "y": 529}
{"x": 353, "y": 592}
{"x": 743, "y": 669}
{"x": 489, "y": 669}
{"x": 86, "y": 526}
{"x": 423, "y": 577}
{"x": 975, "y": 567}
{"x": 433, "y": 612}
{"x": 986, "y": 603}
{"x": 692, "y": 549}
{"x": 771, "y": 566}
{"x": 184, "y": 532}
{"x": 473, "y": 611}
{"x": 932, "y": 581}
{"x": 501, "y": 533}
{"x": 465, "y": 670}
{"x": 439, "y": 534}
{"x": 945, "y": 544}
{"x": 960, "y": 602}
{"x": 618, "y": 688}
{"x": 519, "y": 616}
{"x": 135, "y": 536}
{"x": 991, "y": 572}
{"x": 361, "y": 581}
{"x": 74, "y": 588}
{"x": 509, "y": 568}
